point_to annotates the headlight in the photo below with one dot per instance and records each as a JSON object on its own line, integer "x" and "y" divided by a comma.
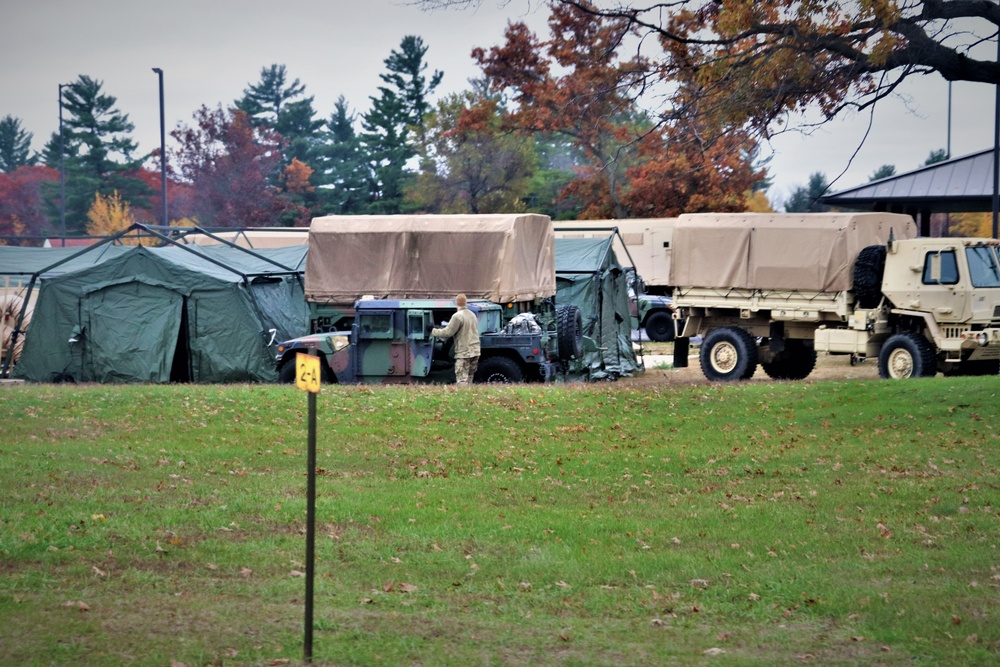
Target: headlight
{"x": 983, "y": 339}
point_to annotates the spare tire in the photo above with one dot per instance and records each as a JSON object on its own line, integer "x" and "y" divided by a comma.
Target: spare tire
{"x": 569, "y": 332}
{"x": 868, "y": 270}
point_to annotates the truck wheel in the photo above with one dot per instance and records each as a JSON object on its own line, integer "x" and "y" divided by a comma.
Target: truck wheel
{"x": 660, "y": 327}
{"x": 727, "y": 354}
{"x": 498, "y": 370}
{"x": 795, "y": 363}
{"x": 569, "y": 332}
{"x": 867, "y": 276}
{"x": 286, "y": 373}
{"x": 906, "y": 355}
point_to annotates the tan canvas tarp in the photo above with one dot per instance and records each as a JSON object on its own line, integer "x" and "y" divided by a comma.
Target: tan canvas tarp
{"x": 802, "y": 251}
{"x": 502, "y": 258}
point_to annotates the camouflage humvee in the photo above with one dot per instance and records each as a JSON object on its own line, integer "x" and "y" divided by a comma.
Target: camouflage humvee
{"x": 655, "y": 314}
{"x": 390, "y": 341}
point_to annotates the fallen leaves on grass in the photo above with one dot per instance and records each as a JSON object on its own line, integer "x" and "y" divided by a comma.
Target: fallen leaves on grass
{"x": 400, "y": 587}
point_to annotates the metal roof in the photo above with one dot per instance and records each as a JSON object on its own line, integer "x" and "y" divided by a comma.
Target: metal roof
{"x": 956, "y": 185}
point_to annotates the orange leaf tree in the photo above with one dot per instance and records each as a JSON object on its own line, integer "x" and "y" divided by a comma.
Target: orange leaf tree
{"x": 576, "y": 84}
{"x": 754, "y": 62}
{"x": 21, "y": 202}
{"x": 472, "y": 164}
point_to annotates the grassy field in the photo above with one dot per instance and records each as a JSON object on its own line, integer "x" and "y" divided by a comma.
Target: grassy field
{"x": 828, "y": 523}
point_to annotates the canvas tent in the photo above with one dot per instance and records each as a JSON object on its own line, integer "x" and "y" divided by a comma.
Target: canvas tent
{"x": 589, "y": 276}
{"x": 166, "y": 314}
{"x": 643, "y": 242}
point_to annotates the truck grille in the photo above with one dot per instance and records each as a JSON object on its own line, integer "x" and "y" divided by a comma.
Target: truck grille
{"x": 953, "y": 332}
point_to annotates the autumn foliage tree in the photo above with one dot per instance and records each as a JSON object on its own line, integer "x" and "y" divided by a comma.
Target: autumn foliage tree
{"x": 575, "y": 84}
{"x": 21, "y": 209}
{"x": 472, "y": 164}
{"x": 755, "y": 63}
{"x": 109, "y": 215}
{"x": 228, "y": 163}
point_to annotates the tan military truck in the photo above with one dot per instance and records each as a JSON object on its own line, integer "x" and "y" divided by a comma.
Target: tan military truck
{"x": 776, "y": 289}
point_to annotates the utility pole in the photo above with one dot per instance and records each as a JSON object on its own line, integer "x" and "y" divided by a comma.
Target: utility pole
{"x": 163, "y": 152}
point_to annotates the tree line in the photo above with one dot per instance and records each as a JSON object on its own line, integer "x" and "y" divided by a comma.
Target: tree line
{"x": 552, "y": 126}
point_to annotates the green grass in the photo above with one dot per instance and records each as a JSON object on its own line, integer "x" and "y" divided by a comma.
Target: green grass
{"x": 833, "y": 523}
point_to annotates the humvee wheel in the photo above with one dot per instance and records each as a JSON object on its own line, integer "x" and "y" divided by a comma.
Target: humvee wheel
{"x": 498, "y": 370}
{"x": 286, "y": 374}
{"x": 660, "y": 327}
{"x": 906, "y": 355}
{"x": 728, "y": 354}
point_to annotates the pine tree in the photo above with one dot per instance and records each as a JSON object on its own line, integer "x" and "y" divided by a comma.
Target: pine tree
{"x": 806, "y": 199}
{"x": 398, "y": 110}
{"x": 15, "y": 145}
{"x": 97, "y": 152}
{"x": 343, "y": 170}
{"x": 275, "y": 104}
{"x": 263, "y": 101}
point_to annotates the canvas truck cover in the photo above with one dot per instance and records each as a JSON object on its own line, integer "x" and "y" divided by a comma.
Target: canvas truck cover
{"x": 501, "y": 258}
{"x": 801, "y": 251}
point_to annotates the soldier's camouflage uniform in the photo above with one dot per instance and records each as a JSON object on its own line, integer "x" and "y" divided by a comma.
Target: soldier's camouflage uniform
{"x": 464, "y": 326}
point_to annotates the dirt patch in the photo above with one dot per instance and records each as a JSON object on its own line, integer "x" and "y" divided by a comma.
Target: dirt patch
{"x": 828, "y": 367}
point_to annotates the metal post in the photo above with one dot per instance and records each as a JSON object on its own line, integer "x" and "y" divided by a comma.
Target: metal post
{"x": 948, "y": 147}
{"x": 62, "y": 170}
{"x": 163, "y": 152}
{"x": 996, "y": 155}
{"x": 310, "y": 529}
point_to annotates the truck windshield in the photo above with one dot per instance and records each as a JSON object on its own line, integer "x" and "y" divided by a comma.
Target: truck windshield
{"x": 983, "y": 267}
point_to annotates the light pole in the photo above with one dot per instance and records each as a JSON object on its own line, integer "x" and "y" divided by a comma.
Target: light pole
{"x": 996, "y": 155}
{"x": 163, "y": 152}
{"x": 62, "y": 170}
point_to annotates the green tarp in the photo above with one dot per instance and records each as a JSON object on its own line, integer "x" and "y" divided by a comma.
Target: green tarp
{"x": 589, "y": 276}
{"x": 165, "y": 315}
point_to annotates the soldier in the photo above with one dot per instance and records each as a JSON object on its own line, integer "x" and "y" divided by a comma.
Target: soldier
{"x": 464, "y": 326}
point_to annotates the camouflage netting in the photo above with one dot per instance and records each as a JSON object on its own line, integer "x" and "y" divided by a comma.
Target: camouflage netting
{"x": 501, "y": 258}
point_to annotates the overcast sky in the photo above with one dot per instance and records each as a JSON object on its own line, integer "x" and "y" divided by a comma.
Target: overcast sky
{"x": 211, "y": 50}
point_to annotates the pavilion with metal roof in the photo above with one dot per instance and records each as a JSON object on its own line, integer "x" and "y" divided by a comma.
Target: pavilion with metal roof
{"x": 961, "y": 184}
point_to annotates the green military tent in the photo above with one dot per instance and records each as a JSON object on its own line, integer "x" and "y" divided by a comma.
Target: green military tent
{"x": 166, "y": 314}
{"x": 589, "y": 276}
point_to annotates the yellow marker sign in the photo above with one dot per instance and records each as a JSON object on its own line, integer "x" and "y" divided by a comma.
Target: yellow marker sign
{"x": 307, "y": 372}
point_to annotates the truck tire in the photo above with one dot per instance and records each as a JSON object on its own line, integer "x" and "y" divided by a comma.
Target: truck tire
{"x": 867, "y": 276}
{"x": 286, "y": 373}
{"x": 906, "y": 355}
{"x": 795, "y": 363}
{"x": 728, "y": 354}
{"x": 569, "y": 333}
{"x": 498, "y": 370}
{"x": 660, "y": 327}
